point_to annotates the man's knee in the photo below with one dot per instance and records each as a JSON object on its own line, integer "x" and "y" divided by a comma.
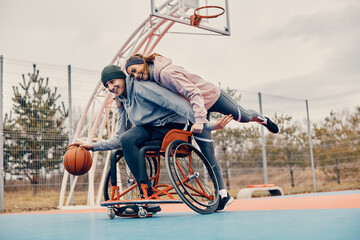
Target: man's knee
{"x": 126, "y": 139}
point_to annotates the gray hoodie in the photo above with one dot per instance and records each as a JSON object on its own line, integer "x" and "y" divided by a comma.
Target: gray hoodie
{"x": 147, "y": 103}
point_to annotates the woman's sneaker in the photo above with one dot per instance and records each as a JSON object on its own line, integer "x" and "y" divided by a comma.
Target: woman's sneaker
{"x": 224, "y": 202}
{"x": 266, "y": 122}
{"x": 270, "y": 125}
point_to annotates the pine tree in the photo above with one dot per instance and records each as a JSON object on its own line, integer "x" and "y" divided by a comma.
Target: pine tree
{"x": 36, "y": 133}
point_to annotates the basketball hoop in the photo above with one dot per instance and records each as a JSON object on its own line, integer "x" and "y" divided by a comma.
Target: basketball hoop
{"x": 196, "y": 18}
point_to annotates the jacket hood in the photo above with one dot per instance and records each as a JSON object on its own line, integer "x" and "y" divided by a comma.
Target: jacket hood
{"x": 129, "y": 81}
{"x": 160, "y": 63}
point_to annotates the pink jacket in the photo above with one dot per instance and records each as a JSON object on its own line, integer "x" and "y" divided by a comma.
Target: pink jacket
{"x": 200, "y": 93}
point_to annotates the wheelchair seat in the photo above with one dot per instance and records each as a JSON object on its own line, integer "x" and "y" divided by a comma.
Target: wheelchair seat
{"x": 175, "y": 134}
{"x": 152, "y": 143}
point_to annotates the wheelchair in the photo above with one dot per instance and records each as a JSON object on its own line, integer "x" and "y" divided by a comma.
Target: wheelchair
{"x": 192, "y": 178}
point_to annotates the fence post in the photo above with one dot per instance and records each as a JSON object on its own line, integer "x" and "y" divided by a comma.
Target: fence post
{"x": 310, "y": 145}
{"x": 263, "y": 143}
{"x": 1, "y": 137}
{"x": 70, "y": 124}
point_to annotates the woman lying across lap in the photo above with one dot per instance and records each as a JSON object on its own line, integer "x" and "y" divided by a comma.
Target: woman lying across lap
{"x": 203, "y": 96}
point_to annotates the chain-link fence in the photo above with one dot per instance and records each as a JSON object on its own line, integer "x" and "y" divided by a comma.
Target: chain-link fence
{"x": 37, "y": 129}
{"x": 38, "y": 124}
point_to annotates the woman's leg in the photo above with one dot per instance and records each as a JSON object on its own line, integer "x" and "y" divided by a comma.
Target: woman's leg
{"x": 226, "y": 105}
{"x": 207, "y": 148}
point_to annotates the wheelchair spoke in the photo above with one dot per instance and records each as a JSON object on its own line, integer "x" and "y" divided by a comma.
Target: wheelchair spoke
{"x": 193, "y": 177}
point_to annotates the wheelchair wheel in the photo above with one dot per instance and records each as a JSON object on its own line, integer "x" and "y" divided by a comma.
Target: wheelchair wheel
{"x": 192, "y": 177}
{"x": 125, "y": 179}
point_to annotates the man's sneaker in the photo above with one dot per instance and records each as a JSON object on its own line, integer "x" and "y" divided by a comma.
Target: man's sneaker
{"x": 153, "y": 207}
{"x": 129, "y": 211}
{"x": 270, "y": 125}
{"x": 224, "y": 202}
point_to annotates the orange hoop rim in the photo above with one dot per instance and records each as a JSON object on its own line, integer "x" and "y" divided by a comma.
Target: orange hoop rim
{"x": 209, "y": 16}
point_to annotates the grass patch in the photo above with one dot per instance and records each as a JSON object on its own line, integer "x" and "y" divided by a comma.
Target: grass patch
{"x": 24, "y": 201}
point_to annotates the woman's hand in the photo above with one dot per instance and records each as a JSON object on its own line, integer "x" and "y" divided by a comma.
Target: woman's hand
{"x": 222, "y": 122}
{"x": 87, "y": 146}
{"x": 197, "y": 128}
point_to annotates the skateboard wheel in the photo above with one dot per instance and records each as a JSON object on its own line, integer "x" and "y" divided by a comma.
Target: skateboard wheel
{"x": 111, "y": 213}
{"x": 142, "y": 213}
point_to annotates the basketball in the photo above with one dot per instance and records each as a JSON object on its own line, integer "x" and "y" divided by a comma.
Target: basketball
{"x": 77, "y": 160}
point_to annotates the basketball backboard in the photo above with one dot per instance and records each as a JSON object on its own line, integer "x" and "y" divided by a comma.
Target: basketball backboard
{"x": 182, "y": 11}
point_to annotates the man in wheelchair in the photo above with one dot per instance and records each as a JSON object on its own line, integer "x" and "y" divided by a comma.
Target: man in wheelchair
{"x": 147, "y": 112}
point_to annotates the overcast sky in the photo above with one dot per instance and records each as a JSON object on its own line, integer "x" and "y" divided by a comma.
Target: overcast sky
{"x": 305, "y": 49}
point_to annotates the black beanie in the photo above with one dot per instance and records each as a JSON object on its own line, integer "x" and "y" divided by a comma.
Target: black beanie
{"x": 112, "y": 72}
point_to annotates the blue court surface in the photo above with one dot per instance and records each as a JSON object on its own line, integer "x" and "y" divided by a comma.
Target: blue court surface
{"x": 306, "y": 224}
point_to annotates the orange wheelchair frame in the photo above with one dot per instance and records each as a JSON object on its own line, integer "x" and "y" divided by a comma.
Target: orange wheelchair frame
{"x": 192, "y": 178}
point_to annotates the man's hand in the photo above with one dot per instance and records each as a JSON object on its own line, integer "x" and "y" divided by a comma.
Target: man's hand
{"x": 222, "y": 122}
{"x": 197, "y": 128}
{"x": 87, "y": 146}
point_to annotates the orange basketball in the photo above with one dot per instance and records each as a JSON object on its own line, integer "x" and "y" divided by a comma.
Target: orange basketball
{"x": 77, "y": 160}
